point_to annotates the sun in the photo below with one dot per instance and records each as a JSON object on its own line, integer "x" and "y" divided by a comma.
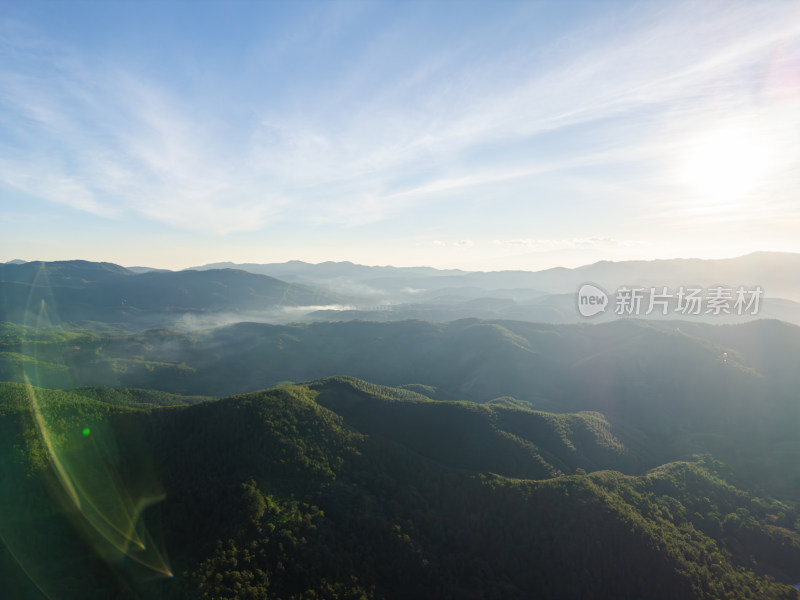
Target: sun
{"x": 724, "y": 165}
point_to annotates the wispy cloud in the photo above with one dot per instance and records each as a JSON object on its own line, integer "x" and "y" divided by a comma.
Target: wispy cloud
{"x": 100, "y": 138}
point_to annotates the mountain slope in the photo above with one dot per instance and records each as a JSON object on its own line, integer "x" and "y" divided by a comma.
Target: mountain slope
{"x": 83, "y": 291}
{"x": 726, "y": 390}
{"x": 271, "y": 494}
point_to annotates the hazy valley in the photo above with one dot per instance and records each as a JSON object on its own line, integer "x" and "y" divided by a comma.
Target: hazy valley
{"x": 485, "y": 457}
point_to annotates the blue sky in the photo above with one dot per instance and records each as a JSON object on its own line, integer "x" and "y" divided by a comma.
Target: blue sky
{"x": 455, "y": 134}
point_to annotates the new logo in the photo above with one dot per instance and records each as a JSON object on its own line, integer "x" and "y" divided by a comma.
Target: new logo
{"x": 591, "y": 300}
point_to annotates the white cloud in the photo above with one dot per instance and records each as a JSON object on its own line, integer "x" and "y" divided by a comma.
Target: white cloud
{"x": 108, "y": 141}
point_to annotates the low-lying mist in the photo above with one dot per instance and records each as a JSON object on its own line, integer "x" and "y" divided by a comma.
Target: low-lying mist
{"x": 281, "y": 315}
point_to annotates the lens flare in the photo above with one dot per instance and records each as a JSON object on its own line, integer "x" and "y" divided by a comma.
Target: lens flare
{"x": 94, "y": 465}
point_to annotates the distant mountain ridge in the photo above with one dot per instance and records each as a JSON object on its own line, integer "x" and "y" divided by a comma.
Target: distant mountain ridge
{"x": 775, "y": 271}
{"x": 140, "y": 297}
{"x": 87, "y": 291}
{"x": 299, "y": 268}
{"x": 548, "y": 295}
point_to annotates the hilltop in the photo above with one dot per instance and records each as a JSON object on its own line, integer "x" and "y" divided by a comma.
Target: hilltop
{"x": 340, "y": 488}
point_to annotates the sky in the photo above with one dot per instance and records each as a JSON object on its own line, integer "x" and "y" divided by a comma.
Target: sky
{"x": 476, "y": 135}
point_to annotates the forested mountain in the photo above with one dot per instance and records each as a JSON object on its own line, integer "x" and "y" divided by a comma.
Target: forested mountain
{"x": 400, "y": 459}
{"x": 81, "y": 291}
{"x": 344, "y": 489}
{"x": 685, "y": 389}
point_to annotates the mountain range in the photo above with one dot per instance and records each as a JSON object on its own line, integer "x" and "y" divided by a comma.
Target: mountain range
{"x": 141, "y": 297}
{"x": 772, "y": 270}
{"x": 83, "y": 292}
{"x": 157, "y": 443}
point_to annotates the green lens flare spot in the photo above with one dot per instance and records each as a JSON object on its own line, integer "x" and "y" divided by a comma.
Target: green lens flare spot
{"x": 86, "y": 431}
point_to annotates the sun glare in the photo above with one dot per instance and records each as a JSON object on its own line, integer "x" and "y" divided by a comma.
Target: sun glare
{"x": 723, "y": 166}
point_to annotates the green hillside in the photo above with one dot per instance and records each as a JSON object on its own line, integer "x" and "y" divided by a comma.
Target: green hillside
{"x": 345, "y": 489}
{"x": 675, "y": 390}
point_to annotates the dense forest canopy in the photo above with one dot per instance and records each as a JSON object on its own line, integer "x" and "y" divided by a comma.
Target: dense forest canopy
{"x": 470, "y": 459}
